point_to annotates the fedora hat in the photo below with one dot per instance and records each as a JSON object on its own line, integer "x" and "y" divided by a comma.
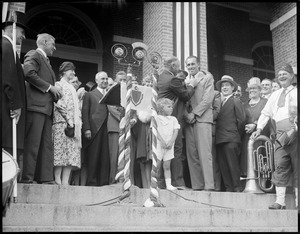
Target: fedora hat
{"x": 15, "y": 16}
{"x": 226, "y": 78}
{"x": 254, "y": 81}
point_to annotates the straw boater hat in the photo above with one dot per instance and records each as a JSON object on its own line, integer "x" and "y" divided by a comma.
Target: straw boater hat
{"x": 13, "y": 16}
{"x": 253, "y": 82}
{"x": 226, "y": 78}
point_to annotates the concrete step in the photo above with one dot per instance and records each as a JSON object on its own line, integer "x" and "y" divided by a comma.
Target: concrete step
{"x": 125, "y": 215}
{"x": 82, "y": 195}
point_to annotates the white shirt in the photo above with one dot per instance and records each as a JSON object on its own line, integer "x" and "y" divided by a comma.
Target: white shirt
{"x": 266, "y": 95}
{"x": 271, "y": 110}
{"x": 103, "y": 91}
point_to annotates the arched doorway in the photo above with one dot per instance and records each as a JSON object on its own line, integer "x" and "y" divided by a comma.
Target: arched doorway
{"x": 77, "y": 37}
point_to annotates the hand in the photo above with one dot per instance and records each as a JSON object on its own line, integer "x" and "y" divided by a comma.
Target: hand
{"x": 255, "y": 134}
{"x": 190, "y": 118}
{"x": 169, "y": 145}
{"x": 57, "y": 92}
{"x": 88, "y": 134}
{"x": 194, "y": 82}
{"x": 249, "y": 128}
{"x": 15, "y": 114}
{"x": 132, "y": 122}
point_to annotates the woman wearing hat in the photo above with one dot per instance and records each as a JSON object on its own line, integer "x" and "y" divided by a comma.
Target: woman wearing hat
{"x": 66, "y": 114}
{"x": 253, "y": 109}
{"x": 229, "y": 127}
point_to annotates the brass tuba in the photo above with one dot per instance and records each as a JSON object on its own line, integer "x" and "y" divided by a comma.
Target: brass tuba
{"x": 260, "y": 165}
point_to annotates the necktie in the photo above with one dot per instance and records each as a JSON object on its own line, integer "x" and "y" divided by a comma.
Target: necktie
{"x": 223, "y": 102}
{"x": 281, "y": 100}
{"x": 103, "y": 91}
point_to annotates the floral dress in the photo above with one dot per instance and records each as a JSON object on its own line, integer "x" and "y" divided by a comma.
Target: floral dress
{"x": 66, "y": 149}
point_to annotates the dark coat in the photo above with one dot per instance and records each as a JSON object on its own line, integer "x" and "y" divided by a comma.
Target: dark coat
{"x": 230, "y": 121}
{"x": 94, "y": 115}
{"x": 174, "y": 88}
{"x": 39, "y": 75}
{"x": 13, "y": 95}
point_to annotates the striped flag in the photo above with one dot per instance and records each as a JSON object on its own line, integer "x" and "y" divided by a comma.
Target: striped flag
{"x": 186, "y": 33}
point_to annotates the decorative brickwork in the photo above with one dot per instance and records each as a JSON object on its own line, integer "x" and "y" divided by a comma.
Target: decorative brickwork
{"x": 278, "y": 9}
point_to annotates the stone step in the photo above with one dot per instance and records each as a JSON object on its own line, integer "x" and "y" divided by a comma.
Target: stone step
{"x": 124, "y": 215}
{"x": 83, "y": 195}
{"x": 145, "y": 229}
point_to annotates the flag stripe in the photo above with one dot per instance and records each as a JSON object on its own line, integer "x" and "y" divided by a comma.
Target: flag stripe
{"x": 186, "y": 30}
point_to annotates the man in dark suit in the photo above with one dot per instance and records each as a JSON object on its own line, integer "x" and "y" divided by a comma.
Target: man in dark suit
{"x": 41, "y": 93}
{"x": 115, "y": 113}
{"x": 94, "y": 127}
{"x": 229, "y": 126}
{"x": 13, "y": 85}
{"x": 173, "y": 88}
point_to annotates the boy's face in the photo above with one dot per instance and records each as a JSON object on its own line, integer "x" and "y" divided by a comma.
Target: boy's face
{"x": 168, "y": 109}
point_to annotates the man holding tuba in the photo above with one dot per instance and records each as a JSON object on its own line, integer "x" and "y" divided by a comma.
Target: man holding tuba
{"x": 282, "y": 108}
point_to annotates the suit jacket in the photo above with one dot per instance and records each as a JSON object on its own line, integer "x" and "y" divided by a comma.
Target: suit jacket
{"x": 174, "y": 88}
{"x": 230, "y": 122}
{"x": 13, "y": 95}
{"x": 216, "y": 105}
{"x": 201, "y": 101}
{"x": 39, "y": 75}
{"x": 94, "y": 115}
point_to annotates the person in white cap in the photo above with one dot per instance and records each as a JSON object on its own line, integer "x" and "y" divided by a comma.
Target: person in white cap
{"x": 282, "y": 108}
{"x": 229, "y": 128}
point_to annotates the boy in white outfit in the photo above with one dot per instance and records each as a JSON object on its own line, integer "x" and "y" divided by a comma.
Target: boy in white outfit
{"x": 167, "y": 130}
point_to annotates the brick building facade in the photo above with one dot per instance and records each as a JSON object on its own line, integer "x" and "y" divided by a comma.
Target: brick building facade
{"x": 231, "y": 38}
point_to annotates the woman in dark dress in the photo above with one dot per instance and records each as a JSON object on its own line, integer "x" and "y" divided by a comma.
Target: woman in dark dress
{"x": 253, "y": 109}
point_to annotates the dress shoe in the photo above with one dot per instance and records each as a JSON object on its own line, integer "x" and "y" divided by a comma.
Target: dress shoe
{"x": 52, "y": 182}
{"x": 198, "y": 189}
{"x": 27, "y": 182}
{"x": 209, "y": 190}
{"x": 182, "y": 188}
{"x": 276, "y": 206}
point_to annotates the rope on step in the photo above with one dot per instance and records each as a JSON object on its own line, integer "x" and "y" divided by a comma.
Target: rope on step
{"x": 94, "y": 204}
{"x": 225, "y": 207}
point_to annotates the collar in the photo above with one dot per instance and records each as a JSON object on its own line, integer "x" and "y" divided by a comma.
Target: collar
{"x": 43, "y": 52}
{"x": 101, "y": 90}
{"x": 290, "y": 88}
{"x": 227, "y": 97}
{"x": 8, "y": 38}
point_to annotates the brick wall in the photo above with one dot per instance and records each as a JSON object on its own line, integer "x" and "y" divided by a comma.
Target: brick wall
{"x": 284, "y": 36}
{"x": 278, "y": 9}
{"x": 158, "y": 30}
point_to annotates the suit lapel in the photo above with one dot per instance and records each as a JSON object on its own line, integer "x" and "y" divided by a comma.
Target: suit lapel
{"x": 97, "y": 93}
{"x": 48, "y": 65}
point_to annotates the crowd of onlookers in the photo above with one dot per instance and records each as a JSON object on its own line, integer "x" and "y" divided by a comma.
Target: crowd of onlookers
{"x": 67, "y": 137}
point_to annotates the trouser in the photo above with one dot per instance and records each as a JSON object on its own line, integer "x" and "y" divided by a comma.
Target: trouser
{"x": 199, "y": 141}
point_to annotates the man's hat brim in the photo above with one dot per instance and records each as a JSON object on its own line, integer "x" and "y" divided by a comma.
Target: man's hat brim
{"x": 218, "y": 84}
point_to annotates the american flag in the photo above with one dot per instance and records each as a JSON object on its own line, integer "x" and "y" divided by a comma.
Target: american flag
{"x": 186, "y": 21}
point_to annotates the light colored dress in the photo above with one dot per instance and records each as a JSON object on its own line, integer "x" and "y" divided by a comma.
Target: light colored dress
{"x": 166, "y": 126}
{"x": 66, "y": 149}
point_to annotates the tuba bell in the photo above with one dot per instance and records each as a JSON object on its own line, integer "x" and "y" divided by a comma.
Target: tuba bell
{"x": 260, "y": 165}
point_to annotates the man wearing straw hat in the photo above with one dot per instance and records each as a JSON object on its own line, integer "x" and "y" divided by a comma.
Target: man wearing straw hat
{"x": 13, "y": 85}
{"x": 229, "y": 127}
{"x": 282, "y": 108}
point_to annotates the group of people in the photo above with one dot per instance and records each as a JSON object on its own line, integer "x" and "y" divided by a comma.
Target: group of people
{"x": 62, "y": 127}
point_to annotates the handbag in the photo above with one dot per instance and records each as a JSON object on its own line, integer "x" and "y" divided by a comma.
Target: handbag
{"x": 70, "y": 132}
